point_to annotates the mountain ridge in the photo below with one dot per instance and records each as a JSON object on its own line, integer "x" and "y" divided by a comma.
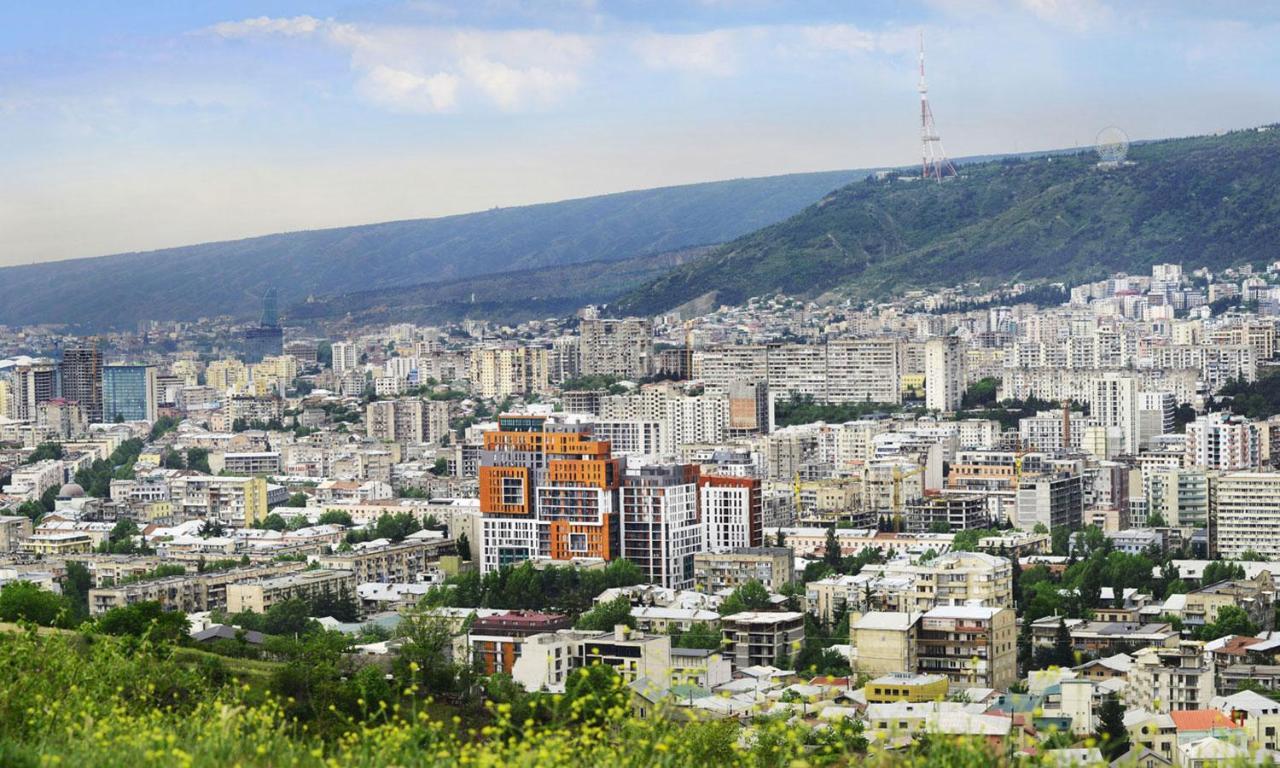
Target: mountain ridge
{"x": 1202, "y": 201}
{"x": 227, "y": 277}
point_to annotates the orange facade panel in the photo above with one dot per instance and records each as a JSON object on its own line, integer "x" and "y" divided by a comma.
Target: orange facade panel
{"x": 594, "y": 473}
{"x": 595, "y": 536}
{"x": 505, "y": 491}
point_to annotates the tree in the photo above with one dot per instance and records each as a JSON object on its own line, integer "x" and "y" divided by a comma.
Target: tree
{"x": 76, "y": 584}
{"x": 212, "y": 529}
{"x": 45, "y": 452}
{"x": 464, "y": 547}
{"x": 32, "y": 509}
{"x": 441, "y": 467}
{"x": 146, "y": 618}
{"x": 1063, "y": 652}
{"x": 1112, "y": 734}
{"x": 751, "y": 596}
{"x": 298, "y": 500}
{"x": 336, "y": 517}
{"x": 289, "y": 617}
{"x": 593, "y": 694}
{"x": 273, "y": 522}
{"x": 171, "y": 459}
{"x": 699, "y": 635}
{"x": 198, "y": 459}
{"x": 605, "y": 616}
{"x": 831, "y": 550}
{"x": 1156, "y": 520}
{"x": 1231, "y": 620}
{"x": 24, "y": 601}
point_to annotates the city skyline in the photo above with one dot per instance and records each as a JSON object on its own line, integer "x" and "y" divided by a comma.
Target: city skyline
{"x": 132, "y": 128}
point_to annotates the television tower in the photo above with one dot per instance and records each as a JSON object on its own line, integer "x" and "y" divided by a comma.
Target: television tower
{"x": 933, "y": 158}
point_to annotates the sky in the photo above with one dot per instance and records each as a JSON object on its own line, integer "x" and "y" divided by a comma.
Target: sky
{"x": 138, "y": 124}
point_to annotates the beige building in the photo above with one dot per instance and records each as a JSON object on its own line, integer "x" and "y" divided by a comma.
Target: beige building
{"x": 189, "y": 593}
{"x": 1167, "y": 679}
{"x": 973, "y": 646}
{"x": 884, "y": 642}
{"x": 1244, "y": 510}
{"x": 394, "y": 563}
{"x": 14, "y": 529}
{"x": 501, "y": 372}
{"x": 231, "y": 500}
{"x": 407, "y": 420}
{"x": 259, "y": 595}
{"x": 762, "y": 638}
{"x": 546, "y": 660}
{"x": 774, "y": 567}
{"x": 57, "y": 544}
{"x": 956, "y": 578}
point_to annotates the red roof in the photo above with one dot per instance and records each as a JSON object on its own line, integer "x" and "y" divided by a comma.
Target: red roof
{"x": 1200, "y": 720}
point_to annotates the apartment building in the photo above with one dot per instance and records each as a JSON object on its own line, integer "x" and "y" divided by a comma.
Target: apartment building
{"x": 944, "y": 377}
{"x": 954, "y": 511}
{"x": 1052, "y": 500}
{"x": 610, "y": 347}
{"x": 402, "y": 562}
{"x": 1244, "y": 514}
{"x": 886, "y": 642}
{"x": 1162, "y": 680}
{"x": 407, "y": 420}
{"x": 14, "y": 529}
{"x": 230, "y": 500}
{"x": 547, "y": 660}
{"x": 547, "y": 489}
{"x": 661, "y": 528}
{"x": 732, "y": 513}
{"x": 713, "y": 572}
{"x": 970, "y": 645}
{"x": 762, "y": 638}
{"x": 952, "y": 579}
{"x": 496, "y": 641}
{"x": 1219, "y": 441}
{"x": 189, "y": 593}
{"x": 260, "y": 594}
{"x": 497, "y": 373}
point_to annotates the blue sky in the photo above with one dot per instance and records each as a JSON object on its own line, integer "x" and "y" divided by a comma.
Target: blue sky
{"x": 136, "y": 124}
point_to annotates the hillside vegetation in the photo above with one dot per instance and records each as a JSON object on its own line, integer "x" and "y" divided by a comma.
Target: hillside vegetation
{"x": 1206, "y": 201}
{"x": 86, "y": 700}
{"x": 229, "y": 277}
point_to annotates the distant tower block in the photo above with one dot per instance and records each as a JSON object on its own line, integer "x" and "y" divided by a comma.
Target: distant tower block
{"x": 933, "y": 158}
{"x": 270, "y": 312}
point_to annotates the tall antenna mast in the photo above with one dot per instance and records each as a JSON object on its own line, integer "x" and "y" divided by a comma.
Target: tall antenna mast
{"x": 933, "y": 158}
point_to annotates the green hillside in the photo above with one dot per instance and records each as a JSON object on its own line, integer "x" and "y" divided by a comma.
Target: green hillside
{"x": 229, "y": 277}
{"x": 1206, "y": 201}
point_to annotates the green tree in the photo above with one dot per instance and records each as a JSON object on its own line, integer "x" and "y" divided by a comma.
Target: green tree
{"x": 1113, "y": 737}
{"x": 464, "y": 547}
{"x": 336, "y": 517}
{"x": 1064, "y": 654}
{"x": 24, "y": 601}
{"x": 699, "y": 635}
{"x": 198, "y": 459}
{"x": 76, "y": 584}
{"x": 606, "y": 616}
{"x": 751, "y": 596}
{"x": 298, "y": 500}
{"x": 289, "y": 617}
{"x": 273, "y": 522}
{"x": 171, "y": 459}
{"x": 831, "y": 549}
{"x": 1231, "y": 620}
{"x": 146, "y": 618}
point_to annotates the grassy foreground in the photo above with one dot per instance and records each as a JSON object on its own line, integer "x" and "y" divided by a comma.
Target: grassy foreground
{"x": 85, "y": 700}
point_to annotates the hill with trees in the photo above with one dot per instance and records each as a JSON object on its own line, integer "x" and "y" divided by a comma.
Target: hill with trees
{"x": 230, "y": 277}
{"x": 1204, "y": 201}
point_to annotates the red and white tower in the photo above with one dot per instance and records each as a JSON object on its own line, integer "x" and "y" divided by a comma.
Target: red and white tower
{"x": 933, "y": 158}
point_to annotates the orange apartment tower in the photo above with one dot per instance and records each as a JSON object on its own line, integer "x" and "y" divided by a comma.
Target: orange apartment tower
{"x": 547, "y": 490}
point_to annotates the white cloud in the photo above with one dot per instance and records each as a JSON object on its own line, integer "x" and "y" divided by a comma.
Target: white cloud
{"x": 410, "y": 92}
{"x": 432, "y": 68}
{"x": 298, "y": 26}
{"x": 707, "y": 53}
{"x": 1077, "y": 15}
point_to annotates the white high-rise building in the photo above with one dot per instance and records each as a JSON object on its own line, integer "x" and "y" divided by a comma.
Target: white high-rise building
{"x": 660, "y": 527}
{"x": 1114, "y": 403}
{"x": 944, "y": 373}
{"x": 1244, "y": 512}
{"x": 1223, "y": 442}
{"x": 345, "y": 357}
